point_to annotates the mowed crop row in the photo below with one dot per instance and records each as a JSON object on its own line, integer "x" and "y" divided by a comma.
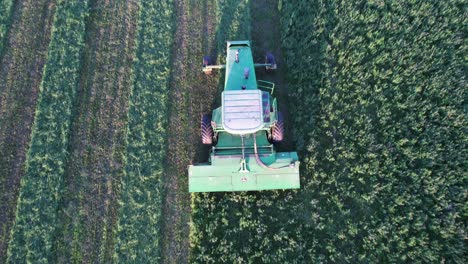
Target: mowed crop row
{"x": 21, "y": 68}
{"x": 191, "y": 94}
{"x": 88, "y": 209}
{"x": 35, "y": 225}
{"x": 138, "y": 231}
{"x": 377, "y": 93}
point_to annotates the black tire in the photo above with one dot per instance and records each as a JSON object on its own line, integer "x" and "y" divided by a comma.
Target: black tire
{"x": 206, "y": 130}
{"x": 277, "y": 132}
{"x": 270, "y": 58}
{"x": 207, "y": 61}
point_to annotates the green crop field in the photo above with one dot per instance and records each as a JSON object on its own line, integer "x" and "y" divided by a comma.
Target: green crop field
{"x": 100, "y": 106}
{"x": 384, "y": 146}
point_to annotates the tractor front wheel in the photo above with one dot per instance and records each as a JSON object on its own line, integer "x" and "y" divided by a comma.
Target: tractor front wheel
{"x": 206, "y": 130}
{"x": 277, "y": 132}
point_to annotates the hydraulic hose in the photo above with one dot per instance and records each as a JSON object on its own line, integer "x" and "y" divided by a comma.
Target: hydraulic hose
{"x": 260, "y": 162}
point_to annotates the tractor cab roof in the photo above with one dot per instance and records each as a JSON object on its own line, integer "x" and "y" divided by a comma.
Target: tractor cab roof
{"x": 242, "y": 111}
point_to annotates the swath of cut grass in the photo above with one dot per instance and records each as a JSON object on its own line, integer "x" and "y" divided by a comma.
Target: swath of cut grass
{"x": 139, "y": 223}
{"x": 36, "y": 216}
{"x": 88, "y": 208}
{"x": 21, "y": 68}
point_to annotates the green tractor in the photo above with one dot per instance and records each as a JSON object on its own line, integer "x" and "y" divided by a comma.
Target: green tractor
{"x": 243, "y": 132}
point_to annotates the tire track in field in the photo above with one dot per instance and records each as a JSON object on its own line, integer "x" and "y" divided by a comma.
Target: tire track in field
{"x": 21, "y": 68}
{"x": 88, "y": 211}
{"x": 192, "y": 94}
{"x": 266, "y": 37}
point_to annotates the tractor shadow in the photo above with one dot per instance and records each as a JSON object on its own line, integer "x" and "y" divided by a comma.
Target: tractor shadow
{"x": 216, "y": 49}
{"x": 267, "y": 38}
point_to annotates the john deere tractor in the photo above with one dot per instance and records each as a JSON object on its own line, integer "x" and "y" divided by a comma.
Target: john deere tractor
{"x": 243, "y": 132}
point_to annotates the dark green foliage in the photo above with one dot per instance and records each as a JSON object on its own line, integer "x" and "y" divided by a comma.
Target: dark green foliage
{"x": 378, "y": 108}
{"x": 6, "y": 8}
{"x": 138, "y": 230}
{"x": 36, "y": 217}
{"x": 253, "y": 227}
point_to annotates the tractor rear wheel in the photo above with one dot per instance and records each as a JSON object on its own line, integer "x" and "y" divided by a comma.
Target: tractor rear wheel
{"x": 206, "y": 130}
{"x": 277, "y": 132}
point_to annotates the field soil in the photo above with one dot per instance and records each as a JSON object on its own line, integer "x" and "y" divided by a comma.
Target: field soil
{"x": 192, "y": 95}
{"x": 88, "y": 208}
{"x": 21, "y": 69}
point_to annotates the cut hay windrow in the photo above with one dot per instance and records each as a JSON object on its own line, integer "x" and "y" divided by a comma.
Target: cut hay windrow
{"x": 34, "y": 230}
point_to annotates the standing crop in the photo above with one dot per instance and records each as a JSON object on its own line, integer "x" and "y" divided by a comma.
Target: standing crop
{"x": 36, "y": 216}
{"x": 378, "y": 94}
